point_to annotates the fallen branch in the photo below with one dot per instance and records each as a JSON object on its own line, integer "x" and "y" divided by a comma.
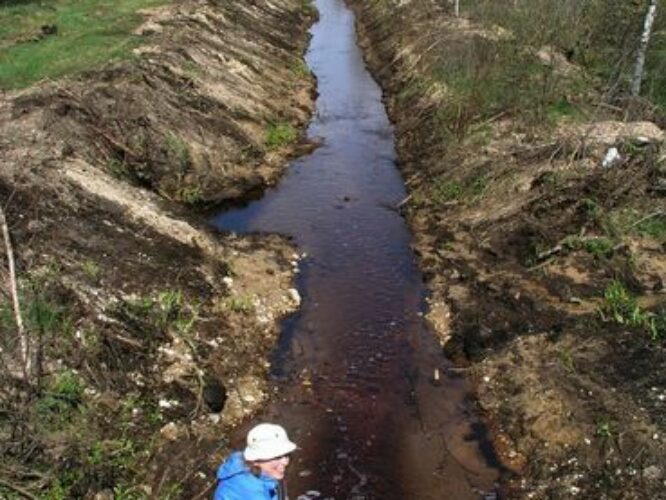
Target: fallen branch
{"x": 13, "y": 290}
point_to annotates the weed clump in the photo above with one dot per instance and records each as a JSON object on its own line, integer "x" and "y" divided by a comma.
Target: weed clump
{"x": 279, "y": 135}
{"x": 621, "y": 306}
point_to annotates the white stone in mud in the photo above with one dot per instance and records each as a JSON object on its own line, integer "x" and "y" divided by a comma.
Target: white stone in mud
{"x": 170, "y": 431}
{"x": 294, "y": 296}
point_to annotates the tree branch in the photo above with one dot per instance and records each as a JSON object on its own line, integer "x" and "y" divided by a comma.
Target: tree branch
{"x": 13, "y": 290}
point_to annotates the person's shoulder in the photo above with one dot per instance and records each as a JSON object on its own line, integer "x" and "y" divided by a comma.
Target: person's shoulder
{"x": 242, "y": 486}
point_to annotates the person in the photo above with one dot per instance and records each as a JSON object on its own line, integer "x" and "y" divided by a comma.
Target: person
{"x": 257, "y": 472}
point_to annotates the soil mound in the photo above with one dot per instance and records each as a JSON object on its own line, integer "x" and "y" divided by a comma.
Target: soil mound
{"x": 545, "y": 264}
{"x": 142, "y": 321}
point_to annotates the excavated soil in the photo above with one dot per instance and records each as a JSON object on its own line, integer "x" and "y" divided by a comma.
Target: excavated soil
{"x": 146, "y": 323}
{"x": 155, "y": 322}
{"x": 575, "y": 399}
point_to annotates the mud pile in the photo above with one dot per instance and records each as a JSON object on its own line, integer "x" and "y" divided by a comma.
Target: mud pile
{"x": 141, "y": 319}
{"x": 535, "y": 254}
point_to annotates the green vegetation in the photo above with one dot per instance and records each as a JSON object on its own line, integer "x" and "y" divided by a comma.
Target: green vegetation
{"x": 600, "y": 247}
{"x": 239, "y": 303}
{"x": 61, "y": 399}
{"x": 177, "y": 150}
{"x": 470, "y": 190}
{"x": 527, "y": 64}
{"x": 623, "y": 308}
{"x": 190, "y": 195}
{"x": 91, "y": 269}
{"x": 164, "y": 311}
{"x": 42, "y": 313}
{"x": 604, "y": 429}
{"x": 631, "y": 221}
{"x": 50, "y": 39}
{"x": 300, "y": 69}
{"x": 279, "y": 135}
{"x": 308, "y": 7}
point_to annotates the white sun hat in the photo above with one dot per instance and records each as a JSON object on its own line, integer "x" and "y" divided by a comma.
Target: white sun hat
{"x": 266, "y": 442}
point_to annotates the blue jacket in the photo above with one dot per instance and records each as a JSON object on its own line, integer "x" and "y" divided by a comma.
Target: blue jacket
{"x": 236, "y": 482}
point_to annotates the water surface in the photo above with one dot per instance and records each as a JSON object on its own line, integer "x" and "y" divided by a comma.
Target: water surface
{"x": 355, "y": 362}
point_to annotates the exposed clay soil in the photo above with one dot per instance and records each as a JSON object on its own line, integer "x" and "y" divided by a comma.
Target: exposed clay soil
{"x": 575, "y": 399}
{"x": 160, "y": 320}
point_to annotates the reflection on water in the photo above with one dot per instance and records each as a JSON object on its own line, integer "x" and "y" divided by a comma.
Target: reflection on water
{"x": 357, "y": 357}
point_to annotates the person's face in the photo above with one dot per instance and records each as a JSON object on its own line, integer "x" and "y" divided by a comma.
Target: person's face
{"x": 274, "y": 468}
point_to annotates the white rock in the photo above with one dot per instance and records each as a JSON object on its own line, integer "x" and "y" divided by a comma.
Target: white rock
{"x": 294, "y": 296}
{"x": 612, "y": 158}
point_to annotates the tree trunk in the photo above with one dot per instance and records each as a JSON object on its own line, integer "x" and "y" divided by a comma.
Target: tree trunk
{"x": 642, "y": 48}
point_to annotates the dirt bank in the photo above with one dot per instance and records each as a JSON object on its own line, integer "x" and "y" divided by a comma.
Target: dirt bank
{"x": 545, "y": 268}
{"x": 142, "y": 321}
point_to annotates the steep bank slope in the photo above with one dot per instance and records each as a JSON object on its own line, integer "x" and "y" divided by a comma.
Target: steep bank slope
{"x": 141, "y": 321}
{"x": 546, "y": 269}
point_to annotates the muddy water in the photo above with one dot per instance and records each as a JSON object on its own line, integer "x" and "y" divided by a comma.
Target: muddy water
{"x": 354, "y": 366}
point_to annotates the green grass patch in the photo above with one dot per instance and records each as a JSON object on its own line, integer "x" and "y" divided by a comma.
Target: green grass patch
{"x": 469, "y": 190}
{"x": 61, "y": 399}
{"x": 243, "y": 304}
{"x": 621, "y": 306}
{"x": 630, "y": 221}
{"x": 50, "y": 39}
{"x": 600, "y": 247}
{"x": 562, "y": 109}
{"x": 279, "y": 135}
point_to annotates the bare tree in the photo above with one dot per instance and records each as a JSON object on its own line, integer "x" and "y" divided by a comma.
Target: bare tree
{"x": 642, "y": 48}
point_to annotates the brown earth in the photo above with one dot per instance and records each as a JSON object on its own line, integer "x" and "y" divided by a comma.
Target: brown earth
{"x": 520, "y": 231}
{"x": 141, "y": 319}
{"x": 115, "y": 273}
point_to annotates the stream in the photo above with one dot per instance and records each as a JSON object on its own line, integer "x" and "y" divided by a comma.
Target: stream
{"x": 355, "y": 365}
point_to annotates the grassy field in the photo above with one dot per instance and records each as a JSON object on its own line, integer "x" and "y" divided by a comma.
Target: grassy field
{"x": 52, "y": 38}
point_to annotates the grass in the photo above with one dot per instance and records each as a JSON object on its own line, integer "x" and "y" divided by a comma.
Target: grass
{"x": 243, "y": 304}
{"x": 90, "y": 33}
{"x": 279, "y": 135}
{"x": 300, "y": 69}
{"x": 621, "y": 306}
{"x": 167, "y": 310}
{"x": 631, "y": 221}
{"x": 600, "y": 247}
{"x": 177, "y": 150}
{"x": 60, "y": 400}
{"x": 191, "y": 195}
{"x": 91, "y": 269}
{"x": 470, "y": 190}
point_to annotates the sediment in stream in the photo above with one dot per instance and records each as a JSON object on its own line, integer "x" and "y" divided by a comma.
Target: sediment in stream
{"x": 575, "y": 400}
{"x": 143, "y": 318}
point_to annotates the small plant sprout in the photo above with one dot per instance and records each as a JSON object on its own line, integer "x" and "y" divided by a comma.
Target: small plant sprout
{"x": 604, "y": 429}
